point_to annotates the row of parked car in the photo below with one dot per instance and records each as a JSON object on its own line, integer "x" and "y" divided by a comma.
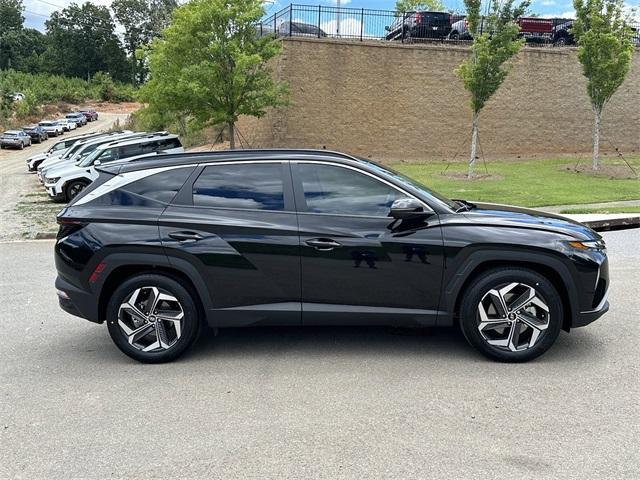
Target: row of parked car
{"x": 70, "y": 165}
{"x": 40, "y": 132}
{"x": 440, "y": 26}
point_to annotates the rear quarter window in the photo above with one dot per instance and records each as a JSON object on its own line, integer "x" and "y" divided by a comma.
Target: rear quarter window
{"x": 155, "y": 190}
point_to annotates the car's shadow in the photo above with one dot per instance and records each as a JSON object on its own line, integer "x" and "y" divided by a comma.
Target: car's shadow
{"x": 269, "y": 343}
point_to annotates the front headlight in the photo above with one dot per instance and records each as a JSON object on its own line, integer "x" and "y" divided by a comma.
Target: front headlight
{"x": 51, "y": 180}
{"x": 588, "y": 245}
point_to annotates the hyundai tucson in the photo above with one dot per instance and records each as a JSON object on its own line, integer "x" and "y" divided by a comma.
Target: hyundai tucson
{"x": 159, "y": 247}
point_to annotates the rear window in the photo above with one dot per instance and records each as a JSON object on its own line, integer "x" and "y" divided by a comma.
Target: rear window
{"x": 153, "y": 191}
{"x": 248, "y": 186}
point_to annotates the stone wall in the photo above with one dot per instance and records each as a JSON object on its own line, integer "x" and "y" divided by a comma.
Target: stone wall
{"x": 404, "y": 103}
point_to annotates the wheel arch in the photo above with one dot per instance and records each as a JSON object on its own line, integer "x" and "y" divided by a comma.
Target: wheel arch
{"x": 550, "y": 268}
{"x": 121, "y": 269}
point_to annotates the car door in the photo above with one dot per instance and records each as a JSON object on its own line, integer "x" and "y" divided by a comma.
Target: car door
{"x": 236, "y": 223}
{"x": 359, "y": 266}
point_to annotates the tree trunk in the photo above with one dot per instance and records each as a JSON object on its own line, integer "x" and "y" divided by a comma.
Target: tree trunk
{"x": 232, "y": 136}
{"x": 474, "y": 144}
{"x": 596, "y": 138}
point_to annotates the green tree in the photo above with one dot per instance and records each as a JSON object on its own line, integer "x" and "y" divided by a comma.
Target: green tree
{"x": 211, "y": 65}
{"x": 11, "y": 18}
{"x": 419, "y": 6}
{"x": 605, "y": 51}
{"x": 21, "y": 50}
{"x": 143, "y": 20}
{"x": 485, "y": 70}
{"x": 81, "y": 41}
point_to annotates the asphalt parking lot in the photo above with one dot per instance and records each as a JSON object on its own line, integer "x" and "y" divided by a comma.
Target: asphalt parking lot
{"x": 313, "y": 403}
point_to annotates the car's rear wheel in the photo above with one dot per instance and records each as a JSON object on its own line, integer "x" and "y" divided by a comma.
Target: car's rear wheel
{"x": 21, "y": 147}
{"x": 511, "y": 314}
{"x": 74, "y": 188}
{"x": 153, "y": 318}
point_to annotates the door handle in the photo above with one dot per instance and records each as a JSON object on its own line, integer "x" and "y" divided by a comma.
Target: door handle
{"x": 323, "y": 244}
{"x": 185, "y": 236}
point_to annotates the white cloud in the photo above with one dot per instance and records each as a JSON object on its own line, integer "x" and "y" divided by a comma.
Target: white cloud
{"x": 342, "y": 2}
{"x": 548, "y": 3}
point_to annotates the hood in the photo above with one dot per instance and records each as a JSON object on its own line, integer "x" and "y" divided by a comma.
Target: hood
{"x": 40, "y": 156}
{"x": 53, "y": 162}
{"x": 63, "y": 170}
{"x": 507, "y": 215}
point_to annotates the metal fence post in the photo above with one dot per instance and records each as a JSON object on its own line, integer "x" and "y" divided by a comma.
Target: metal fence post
{"x": 404, "y": 19}
{"x": 361, "y": 23}
{"x": 319, "y": 11}
{"x": 290, "y": 19}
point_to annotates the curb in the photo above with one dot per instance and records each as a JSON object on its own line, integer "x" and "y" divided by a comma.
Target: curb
{"x": 613, "y": 224}
{"x": 44, "y": 235}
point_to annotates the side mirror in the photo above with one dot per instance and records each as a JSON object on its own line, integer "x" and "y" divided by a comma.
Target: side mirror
{"x": 387, "y": 28}
{"x": 408, "y": 208}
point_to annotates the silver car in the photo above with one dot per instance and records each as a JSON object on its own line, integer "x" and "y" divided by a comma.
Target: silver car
{"x": 15, "y": 139}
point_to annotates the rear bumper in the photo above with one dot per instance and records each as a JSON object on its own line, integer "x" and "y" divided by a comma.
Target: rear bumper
{"x": 77, "y": 302}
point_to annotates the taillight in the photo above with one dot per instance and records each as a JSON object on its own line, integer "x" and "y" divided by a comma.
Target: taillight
{"x": 96, "y": 273}
{"x": 418, "y": 17}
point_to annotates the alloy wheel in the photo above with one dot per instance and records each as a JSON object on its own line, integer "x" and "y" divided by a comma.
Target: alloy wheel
{"x": 151, "y": 319}
{"x": 513, "y": 317}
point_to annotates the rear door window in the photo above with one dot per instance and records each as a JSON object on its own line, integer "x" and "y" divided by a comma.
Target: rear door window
{"x": 253, "y": 186}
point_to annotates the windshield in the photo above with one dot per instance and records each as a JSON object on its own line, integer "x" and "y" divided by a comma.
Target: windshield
{"x": 73, "y": 150}
{"x": 412, "y": 183}
{"x": 88, "y": 160}
{"x": 10, "y": 134}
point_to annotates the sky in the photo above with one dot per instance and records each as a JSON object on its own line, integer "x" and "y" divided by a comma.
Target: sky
{"x": 37, "y": 11}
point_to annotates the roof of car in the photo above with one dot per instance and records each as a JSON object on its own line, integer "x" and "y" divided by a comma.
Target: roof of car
{"x": 13, "y": 132}
{"x": 132, "y": 141}
{"x": 188, "y": 158}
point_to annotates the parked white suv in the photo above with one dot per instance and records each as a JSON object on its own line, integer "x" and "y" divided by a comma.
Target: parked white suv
{"x": 52, "y": 127}
{"x": 67, "y": 181}
{"x": 82, "y": 149}
{"x": 56, "y": 150}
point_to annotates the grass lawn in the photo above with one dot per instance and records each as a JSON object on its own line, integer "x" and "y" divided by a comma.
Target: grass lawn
{"x": 530, "y": 183}
{"x": 603, "y": 210}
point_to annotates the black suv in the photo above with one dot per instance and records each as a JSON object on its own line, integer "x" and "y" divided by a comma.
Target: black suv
{"x": 158, "y": 247}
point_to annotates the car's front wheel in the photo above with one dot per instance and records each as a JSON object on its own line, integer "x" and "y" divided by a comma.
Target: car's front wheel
{"x": 74, "y": 188}
{"x": 153, "y": 318}
{"x": 511, "y": 314}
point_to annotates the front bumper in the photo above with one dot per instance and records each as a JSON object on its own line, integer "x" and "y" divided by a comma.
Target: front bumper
{"x": 585, "y": 318}
{"x": 55, "y": 190}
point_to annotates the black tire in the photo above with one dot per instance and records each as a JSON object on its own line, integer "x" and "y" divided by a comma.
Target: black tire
{"x": 191, "y": 323}
{"x": 21, "y": 147}
{"x": 73, "y": 188}
{"x": 494, "y": 279}
{"x": 454, "y": 36}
